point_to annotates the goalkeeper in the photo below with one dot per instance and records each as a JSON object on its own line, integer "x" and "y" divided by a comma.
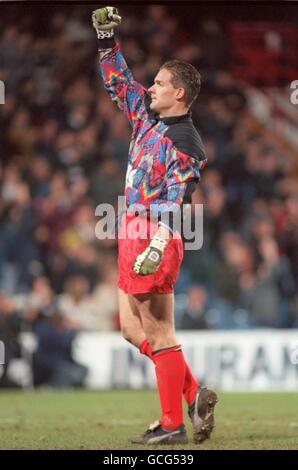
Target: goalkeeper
{"x": 165, "y": 158}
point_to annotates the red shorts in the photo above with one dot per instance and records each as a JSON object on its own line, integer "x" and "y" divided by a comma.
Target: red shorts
{"x": 129, "y": 248}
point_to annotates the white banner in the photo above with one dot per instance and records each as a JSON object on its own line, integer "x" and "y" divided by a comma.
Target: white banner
{"x": 248, "y": 360}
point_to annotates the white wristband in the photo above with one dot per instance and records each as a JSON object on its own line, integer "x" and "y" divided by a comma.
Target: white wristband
{"x": 158, "y": 243}
{"x": 105, "y": 34}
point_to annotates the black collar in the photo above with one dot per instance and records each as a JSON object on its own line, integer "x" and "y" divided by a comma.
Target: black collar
{"x": 175, "y": 119}
{"x": 167, "y": 120}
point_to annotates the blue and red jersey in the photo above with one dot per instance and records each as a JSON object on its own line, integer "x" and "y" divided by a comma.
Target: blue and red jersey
{"x": 165, "y": 154}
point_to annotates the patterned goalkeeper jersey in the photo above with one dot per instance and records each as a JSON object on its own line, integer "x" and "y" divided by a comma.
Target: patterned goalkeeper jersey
{"x": 165, "y": 154}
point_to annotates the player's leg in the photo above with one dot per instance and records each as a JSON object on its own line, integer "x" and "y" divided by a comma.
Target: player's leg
{"x": 157, "y": 314}
{"x": 130, "y": 320}
{"x": 191, "y": 385}
{"x": 132, "y": 330}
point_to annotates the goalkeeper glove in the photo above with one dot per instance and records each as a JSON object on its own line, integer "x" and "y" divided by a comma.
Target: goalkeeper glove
{"x": 105, "y": 20}
{"x": 148, "y": 262}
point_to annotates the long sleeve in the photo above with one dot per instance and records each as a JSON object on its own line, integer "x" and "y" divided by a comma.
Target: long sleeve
{"x": 118, "y": 81}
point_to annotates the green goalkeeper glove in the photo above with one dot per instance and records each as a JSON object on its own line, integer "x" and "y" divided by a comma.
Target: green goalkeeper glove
{"x": 105, "y": 20}
{"x": 148, "y": 262}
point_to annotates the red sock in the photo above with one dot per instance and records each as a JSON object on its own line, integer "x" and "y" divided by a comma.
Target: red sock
{"x": 190, "y": 386}
{"x": 146, "y": 349}
{"x": 170, "y": 373}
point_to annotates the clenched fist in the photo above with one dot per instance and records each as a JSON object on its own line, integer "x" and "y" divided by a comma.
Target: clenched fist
{"x": 105, "y": 20}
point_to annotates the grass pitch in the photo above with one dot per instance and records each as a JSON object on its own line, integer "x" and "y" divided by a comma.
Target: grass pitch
{"x": 105, "y": 420}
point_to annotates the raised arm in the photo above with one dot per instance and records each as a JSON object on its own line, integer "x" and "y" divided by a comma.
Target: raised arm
{"x": 117, "y": 77}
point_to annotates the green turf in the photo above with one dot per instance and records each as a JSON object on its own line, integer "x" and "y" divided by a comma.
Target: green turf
{"x": 105, "y": 420}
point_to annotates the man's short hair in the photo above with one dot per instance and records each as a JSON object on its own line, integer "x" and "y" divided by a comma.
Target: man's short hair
{"x": 186, "y": 76}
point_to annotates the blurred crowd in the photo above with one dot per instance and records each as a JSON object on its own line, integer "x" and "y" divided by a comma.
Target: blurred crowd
{"x": 64, "y": 150}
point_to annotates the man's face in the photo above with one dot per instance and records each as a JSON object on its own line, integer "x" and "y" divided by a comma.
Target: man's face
{"x": 163, "y": 95}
